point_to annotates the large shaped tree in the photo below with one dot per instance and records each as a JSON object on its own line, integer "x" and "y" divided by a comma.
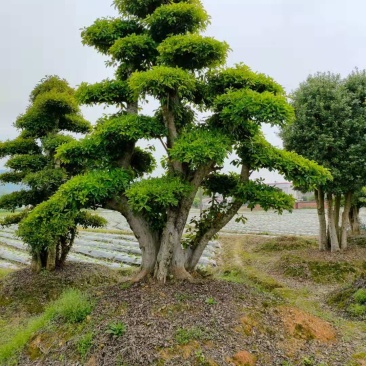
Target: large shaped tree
{"x": 32, "y": 162}
{"x": 330, "y": 128}
{"x": 158, "y": 52}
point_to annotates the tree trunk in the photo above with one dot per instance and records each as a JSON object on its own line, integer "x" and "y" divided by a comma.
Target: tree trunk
{"x": 51, "y": 259}
{"x": 334, "y": 243}
{"x": 337, "y": 209}
{"x": 169, "y": 240}
{"x": 345, "y": 219}
{"x": 36, "y": 264}
{"x": 354, "y": 220}
{"x": 319, "y": 197}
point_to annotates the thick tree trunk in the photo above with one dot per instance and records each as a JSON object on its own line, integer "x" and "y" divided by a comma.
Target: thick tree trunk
{"x": 319, "y": 197}
{"x": 169, "y": 240}
{"x": 354, "y": 220}
{"x": 148, "y": 238}
{"x": 334, "y": 243}
{"x": 345, "y": 219}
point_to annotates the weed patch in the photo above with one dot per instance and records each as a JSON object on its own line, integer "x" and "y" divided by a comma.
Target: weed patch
{"x": 72, "y": 306}
{"x": 351, "y": 299}
{"x": 317, "y": 271}
{"x": 186, "y": 335}
{"x": 289, "y": 243}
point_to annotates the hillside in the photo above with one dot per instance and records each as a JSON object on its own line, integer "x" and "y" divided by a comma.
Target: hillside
{"x": 260, "y": 306}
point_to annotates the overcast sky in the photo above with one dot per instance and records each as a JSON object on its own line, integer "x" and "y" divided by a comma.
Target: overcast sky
{"x": 286, "y": 39}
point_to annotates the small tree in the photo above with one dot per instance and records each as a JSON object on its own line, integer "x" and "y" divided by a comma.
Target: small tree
{"x": 157, "y": 50}
{"x": 329, "y": 128}
{"x": 32, "y": 162}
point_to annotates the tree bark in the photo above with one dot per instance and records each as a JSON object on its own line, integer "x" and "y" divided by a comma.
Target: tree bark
{"x": 354, "y": 220}
{"x": 36, "y": 264}
{"x": 345, "y": 219}
{"x": 148, "y": 238}
{"x": 201, "y": 241}
{"x": 334, "y": 243}
{"x": 337, "y": 209}
{"x": 51, "y": 259}
{"x": 169, "y": 240}
{"x": 319, "y": 197}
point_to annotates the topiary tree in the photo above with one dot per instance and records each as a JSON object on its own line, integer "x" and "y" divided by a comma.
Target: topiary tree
{"x": 329, "y": 128}
{"x": 32, "y": 162}
{"x": 158, "y": 52}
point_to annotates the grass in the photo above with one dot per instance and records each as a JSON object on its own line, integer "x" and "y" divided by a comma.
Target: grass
{"x": 318, "y": 271}
{"x": 288, "y": 243}
{"x": 84, "y": 345}
{"x": 184, "y": 336}
{"x": 4, "y": 272}
{"x": 72, "y": 306}
{"x": 116, "y": 329}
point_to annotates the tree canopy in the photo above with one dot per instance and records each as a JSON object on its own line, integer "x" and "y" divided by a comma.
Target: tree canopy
{"x": 330, "y": 128}
{"x": 157, "y": 51}
{"x": 53, "y": 111}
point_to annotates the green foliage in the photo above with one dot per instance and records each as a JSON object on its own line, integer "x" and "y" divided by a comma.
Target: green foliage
{"x": 184, "y": 335}
{"x": 105, "y": 31}
{"x": 48, "y": 84}
{"x": 52, "y": 219}
{"x": 258, "y": 193}
{"x": 199, "y": 146}
{"x": 304, "y": 173}
{"x": 73, "y": 306}
{"x": 330, "y": 126}
{"x": 51, "y": 142}
{"x": 152, "y": 194}
{"x": 210, "y": 301}
{"x": 111, "y": 139}
{"x": 107, "y": 92}
{"x": 46, "y": 180}
{"x": 12, "y": 177}
{"x": 177, "y": 18}
{"x": 84, "y": 344}
{"x": 282, "y": 243}
{"x": 137, "y": 51}
{"x": 142, "y": 8}
{"x": 220, "y": 81}
{"x": 317, "y": 271}
{"x": 19, "y": 199}
{"x": 243, "y": 106}
{"x": 116, "y": 329}
{"x": 161, "y": 81}
{"x": 30, "y": 163}
{"x": 360, "y": 296}
{"x": 192, "y": 52}
{"x": 14, "y": 218}
{"x": 86, "y": 219}
{"x": 19, "y": 146}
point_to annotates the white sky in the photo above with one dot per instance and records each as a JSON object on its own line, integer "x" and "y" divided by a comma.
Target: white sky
{"x": 286, "y": 39}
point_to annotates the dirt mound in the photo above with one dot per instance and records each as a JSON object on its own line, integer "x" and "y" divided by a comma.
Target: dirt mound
{"x": 289, "y": 243}
{"x": 208, "y": 323}
{"x": 30, "y": 292}
{"x": 305, "y": 326}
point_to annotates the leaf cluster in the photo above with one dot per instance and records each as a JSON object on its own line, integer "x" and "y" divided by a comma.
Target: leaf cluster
{"x": 192, "y": 52}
